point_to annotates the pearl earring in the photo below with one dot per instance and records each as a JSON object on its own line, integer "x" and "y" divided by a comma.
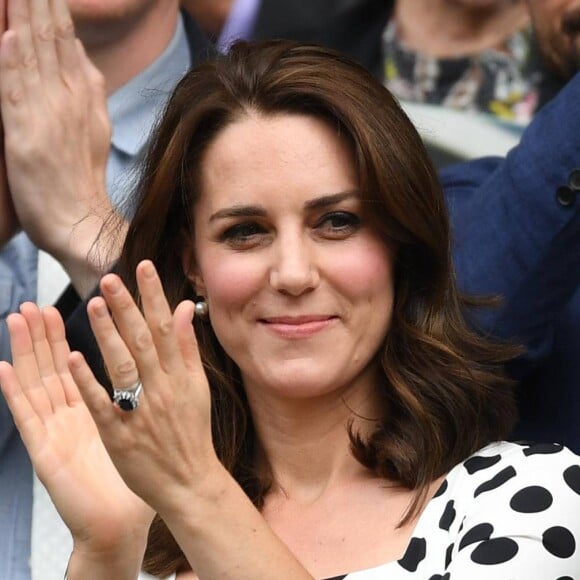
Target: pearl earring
{"x": 201, "y": 309}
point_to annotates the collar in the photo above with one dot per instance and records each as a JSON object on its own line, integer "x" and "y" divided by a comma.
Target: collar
{"x": 135, "y": 107}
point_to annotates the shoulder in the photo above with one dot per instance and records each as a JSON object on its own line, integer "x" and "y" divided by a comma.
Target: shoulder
{"x": 468, "y": 174}
{"x": 515, "y": 506}
{"x": 504, "y": 469}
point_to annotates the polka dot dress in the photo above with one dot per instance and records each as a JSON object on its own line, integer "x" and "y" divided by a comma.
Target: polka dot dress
{"x": 509, "y": 512}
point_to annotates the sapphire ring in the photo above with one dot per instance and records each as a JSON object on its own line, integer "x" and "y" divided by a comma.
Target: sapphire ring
{"x": 128, "y": 399}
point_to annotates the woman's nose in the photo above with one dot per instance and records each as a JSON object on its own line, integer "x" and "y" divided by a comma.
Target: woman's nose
{"x": 294, "y": 270}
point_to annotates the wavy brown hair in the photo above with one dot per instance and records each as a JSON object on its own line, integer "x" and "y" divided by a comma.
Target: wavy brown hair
{"x": 444, "y": 395}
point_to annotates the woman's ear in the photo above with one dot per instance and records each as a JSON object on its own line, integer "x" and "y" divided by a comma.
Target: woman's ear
{"x": 190, "y": 270}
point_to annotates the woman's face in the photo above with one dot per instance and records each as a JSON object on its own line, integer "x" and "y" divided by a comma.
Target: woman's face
{"x": 299, "y": 285}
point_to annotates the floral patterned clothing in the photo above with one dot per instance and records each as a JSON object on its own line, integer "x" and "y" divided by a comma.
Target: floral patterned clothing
{"x": 502, "y": 83}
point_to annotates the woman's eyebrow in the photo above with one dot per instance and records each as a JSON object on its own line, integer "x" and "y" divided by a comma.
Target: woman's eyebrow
{"x": 259, "y": 211}
{"x": 239, "y": 211}
{"x": 329, "y": 200}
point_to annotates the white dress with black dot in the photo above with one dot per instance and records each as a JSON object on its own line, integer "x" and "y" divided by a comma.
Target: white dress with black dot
{"x": 509, "y": 512}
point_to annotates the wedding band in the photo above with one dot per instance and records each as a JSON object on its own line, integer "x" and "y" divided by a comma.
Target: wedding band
{"x": 128, "y": 399}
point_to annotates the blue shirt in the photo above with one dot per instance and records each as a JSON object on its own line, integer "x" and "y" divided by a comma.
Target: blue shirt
{"x": 133, "y": 110}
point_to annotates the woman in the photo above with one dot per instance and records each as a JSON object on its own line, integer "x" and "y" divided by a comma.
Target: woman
{"x": 331, "y": 414}
{"x": 470, "y": 55}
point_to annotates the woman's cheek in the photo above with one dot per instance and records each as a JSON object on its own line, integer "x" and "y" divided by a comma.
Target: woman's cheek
{"x": 365, "y": 267}
{"x": 231, "y": 281}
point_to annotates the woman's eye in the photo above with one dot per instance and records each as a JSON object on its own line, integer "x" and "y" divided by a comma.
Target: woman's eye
{"x": 339, "y": 223}
{"x": 242, "y": 234}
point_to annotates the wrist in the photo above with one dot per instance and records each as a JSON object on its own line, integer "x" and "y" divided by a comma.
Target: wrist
{"x": 201, "y": 496}
{"x": 122, "y": 562}
{"x": 91, "y": 248}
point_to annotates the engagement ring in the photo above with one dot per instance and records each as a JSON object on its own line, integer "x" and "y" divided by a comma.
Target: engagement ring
{"x": 128, "y": 399}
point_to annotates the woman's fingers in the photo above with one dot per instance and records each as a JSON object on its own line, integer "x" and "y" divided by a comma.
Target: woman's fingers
{"x": 27, "y": 421}
{"x": 42, "y": 352}
{"x": 159, "y": 318}
{"x": 95, "y": 397}
{"x": 119, "y": 361}
{"x": 132, "y": 328}
{"x": 49, "y": 377}
{"x": 56, "y": 335}
{"x": 25, "y": 365}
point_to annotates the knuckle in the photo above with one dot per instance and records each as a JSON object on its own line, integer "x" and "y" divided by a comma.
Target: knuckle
{"x": 156, "y": 401}
{"x": 124, "y": 303}
{"x": 64, "y": 28}
{"x": 164, "y": 327}
{"x": 126, "y": 369}
{"x": 29, "y": 61}
{"x": 143, "y": 341}
{"x": 45, "y": 32}
{"x": 15, "y": 97}
{"x": 100, "y": 406}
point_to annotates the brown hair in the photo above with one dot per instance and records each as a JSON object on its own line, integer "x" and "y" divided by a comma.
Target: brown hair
{"x": 444, "y": 396}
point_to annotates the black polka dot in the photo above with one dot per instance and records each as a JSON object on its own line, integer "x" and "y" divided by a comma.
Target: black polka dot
{"x": 543, "y": 449}
{"x": 565, "y": 578}
{"x": 448, "y": 516}
{"x": 531, "y": 500}
{"x": 448, "y": 554}
{"x": 496, "y": 481}
{"x": 476, "y": 534}
{"x": 478, "y": 463}
{"x": 572, "y": 478}
{"x": 439, "y": 577}
{"x": 442, "y": 489}
{"x": 559, "y": 542}
{"x": 495, "y": 551}
{"x": 414, "y": 555}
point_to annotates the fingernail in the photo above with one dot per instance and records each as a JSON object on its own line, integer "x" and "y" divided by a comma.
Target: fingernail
{"x": 148, "y": 269}
{"x": 113, "y": 284}
{"x": 75, "y": 360}
{"x": 100, "y": 309}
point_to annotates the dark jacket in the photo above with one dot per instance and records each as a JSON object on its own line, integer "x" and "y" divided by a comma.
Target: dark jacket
{"x": 354, "y": 27}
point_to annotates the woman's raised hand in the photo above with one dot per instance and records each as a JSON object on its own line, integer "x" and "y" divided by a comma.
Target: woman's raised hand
{"x": 62, "y": 439}
{"x": 163, "y": 447}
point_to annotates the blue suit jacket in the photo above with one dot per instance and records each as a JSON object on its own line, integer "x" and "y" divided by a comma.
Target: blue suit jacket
{"x": 516, "y": 224}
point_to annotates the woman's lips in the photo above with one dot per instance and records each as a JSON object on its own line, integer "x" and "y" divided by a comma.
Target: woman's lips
{"x": 297, "y": 326}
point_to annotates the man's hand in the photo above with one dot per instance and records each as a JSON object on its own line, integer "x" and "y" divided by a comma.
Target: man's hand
{"x": 8, "y": 220}
{"x": 57, "y": 137}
